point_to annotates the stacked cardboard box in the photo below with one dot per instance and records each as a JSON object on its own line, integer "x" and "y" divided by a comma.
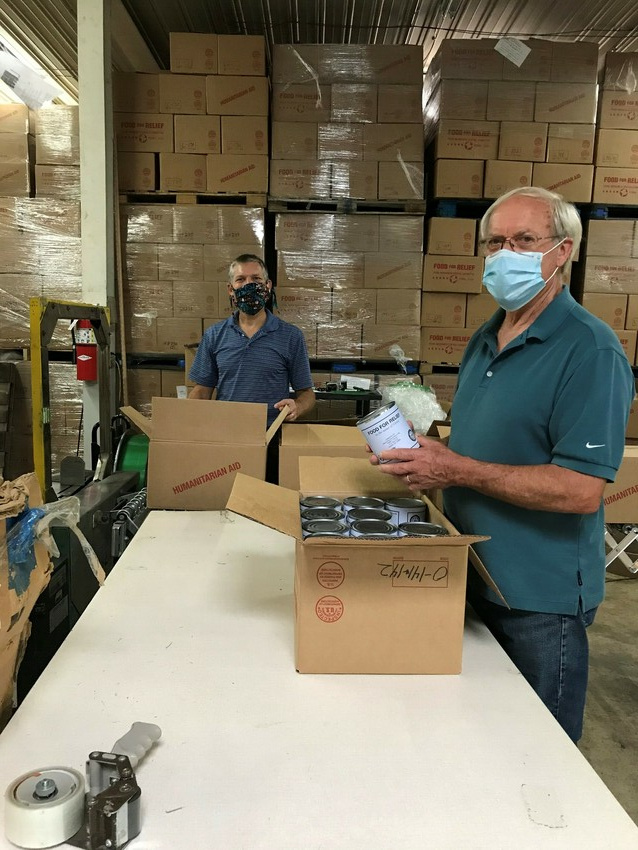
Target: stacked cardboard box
{"x": 203, "y": 126}
{"x": 40, "y": 242}
{"x": 177, "y": 259}
{"x": 57, "y": 152}
{"x": 16, "y": 150}
{"x": 610, "y": 286}
{"x": 351, "y": 282}
{"x": 616, "y": 177}
{"x": 454, "y": 303}
{"x": 495, "y": 126}
{"x": 347, "y": 122}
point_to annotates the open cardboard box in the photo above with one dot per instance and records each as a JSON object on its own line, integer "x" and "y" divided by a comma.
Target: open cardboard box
{"x": 197, "y": 446}
{"x": 367, "y": 606}
{"x": 19, "y": 594}
{"x": 620, "y": 498}
{"x": 310, "y": 439}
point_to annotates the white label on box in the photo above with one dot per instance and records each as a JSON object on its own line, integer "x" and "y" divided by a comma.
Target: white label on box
{"x": 356, "y": 383}
{"x": 182, "y": 391}
{"x": 513, "y": 49}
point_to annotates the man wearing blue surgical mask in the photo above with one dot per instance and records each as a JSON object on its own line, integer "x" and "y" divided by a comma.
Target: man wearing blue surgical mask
{"x": 253, "y": 356}
{"x": 538, "y": 427}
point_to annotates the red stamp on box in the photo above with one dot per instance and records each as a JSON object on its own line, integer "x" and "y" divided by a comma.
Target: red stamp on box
{"x": 330, "y": 575}
{"x": 329, "y": 609}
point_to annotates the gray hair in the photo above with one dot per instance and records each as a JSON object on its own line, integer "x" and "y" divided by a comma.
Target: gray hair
{"x": 247, "y": 258}
{"x": 565, "y": 217}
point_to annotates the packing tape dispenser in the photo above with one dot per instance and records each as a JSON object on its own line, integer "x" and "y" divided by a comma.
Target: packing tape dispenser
{"x": 49, "y": 806}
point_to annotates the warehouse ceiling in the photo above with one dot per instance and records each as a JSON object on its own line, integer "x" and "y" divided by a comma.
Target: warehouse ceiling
{"x": 46, "y": 29}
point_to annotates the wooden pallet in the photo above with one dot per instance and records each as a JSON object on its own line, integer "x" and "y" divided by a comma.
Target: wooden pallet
{"x": 411, "y": 206}
{"x": 238, "y": 200}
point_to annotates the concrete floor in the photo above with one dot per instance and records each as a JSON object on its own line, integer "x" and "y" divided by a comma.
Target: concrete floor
{"x": 610, "y": 734}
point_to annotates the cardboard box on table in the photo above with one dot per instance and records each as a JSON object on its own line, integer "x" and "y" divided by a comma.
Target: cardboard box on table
{"x": 197, "y": 446}
{"x": 366, "y": 606}
{"x": 302, "y": 440}
{"x": 20, "y": 587}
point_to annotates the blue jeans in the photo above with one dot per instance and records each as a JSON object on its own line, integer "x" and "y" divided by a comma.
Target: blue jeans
{"x": 550, "y": 650}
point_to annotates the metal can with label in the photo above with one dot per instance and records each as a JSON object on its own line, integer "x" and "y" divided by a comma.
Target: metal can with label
{"x": 362, "y": 502}
{"x": 387, "y": 428}
{"x": 319, "y": 502}
{"x": 356, "y": 514}
{"x": 320, "y": 513}
{"x": 331, "y": 526}
{"x": 423, "y": 529}
{"x": 406, "y": 510}
{"x": 372, "y": 528}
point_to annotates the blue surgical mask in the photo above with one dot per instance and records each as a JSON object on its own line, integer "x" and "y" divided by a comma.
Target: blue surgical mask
{"x": 250, "y": 298}
{"x": 513, "y": 278}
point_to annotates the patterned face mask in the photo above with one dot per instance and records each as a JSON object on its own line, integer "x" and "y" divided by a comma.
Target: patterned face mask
{"x": 250, "y": 298}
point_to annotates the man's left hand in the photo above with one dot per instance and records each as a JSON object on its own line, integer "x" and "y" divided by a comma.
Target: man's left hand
{"x": 292, "y": 404}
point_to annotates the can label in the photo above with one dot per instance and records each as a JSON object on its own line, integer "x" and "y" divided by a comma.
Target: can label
{"x": 406, "y": 510}
{"x": 386, "y": 428}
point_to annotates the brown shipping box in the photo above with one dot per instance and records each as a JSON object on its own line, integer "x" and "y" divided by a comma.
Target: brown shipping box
{"x": 573, "y": 182}
{"x": 143, "y": 131}
{"x": 197, "y": 134}
{"x": 297, "y": 178}
{"x": 243, "y": 55}
{"x": 399, "y": 105}
{"x": 455, "y": 178}
{"x": 197, "y": 447}
{"x": 182, "y": 172}
{"x": 297, "y": 102}
{"x": 173, "y": 334}
{"x": 566, "y": 102}
{"x": 611, "y": 274}
{"x": 467, "y": 139}
{"x": 610, "y": 308}
{"x": 443, "y": 309}
{"x": 237, "y": 95}
{"x": 244, "y": 134}
{"x": 444, "y": 345}
{"x": 501, "y": 176}
{"x": 631, "y": 320}
{"x": 182, "y": 93}
{"x": 618, "y": 111}
{"x": 574, "y": 61}
{"x": 15, "y": 608}
{"x": 393, "y": 271}
{"x": 469, "y": 59}
{"x": 536, "y": 66}
{"x": 379, "y": 339}
{"x": 618, "y": 148}
{"x": 388, "y": 142}
{"x": 354, "y": 102}
{"x": 16, "y": 118}
{"x": 452, "y": 236}
{"x": 628, "y": 341}
{"x": 313, "y": 440}
{"x": 136, "y": 171}
{"x": 465, "y": 99}
{"x": 479, "y": 309}
{"x": 349, "y": 614}
{"x": 400, "y": 180}
{"x": 523, "y": 140}
{"x": 360, "y": 180}
{"x": 135, "y": 92}
{"x": 510, "y": 101}
{"x": 615, "y": 186}
{"x": 621, "y": 497}
{"x": 294, "y": 140}
{"x": 237, "y": 173}
{"x": 193, "y": 53}
{"x": 570, "y": 143}
{"x": 452, "y": 274}
{"x": 610, "y": 238}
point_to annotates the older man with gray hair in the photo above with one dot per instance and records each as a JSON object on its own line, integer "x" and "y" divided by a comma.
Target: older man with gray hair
{"x": 538, "y": 427}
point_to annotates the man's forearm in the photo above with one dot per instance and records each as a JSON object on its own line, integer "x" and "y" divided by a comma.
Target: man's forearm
{"x": 305, "y": 401}
{"x": 200, "y": 391}
{"x": 545, "y": 487}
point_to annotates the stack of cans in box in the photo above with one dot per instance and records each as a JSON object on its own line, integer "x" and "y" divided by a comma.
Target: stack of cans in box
{"x": 367, "y": 517}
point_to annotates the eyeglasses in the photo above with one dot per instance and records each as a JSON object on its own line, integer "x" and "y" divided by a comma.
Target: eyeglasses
{"x": 519, "y": 242}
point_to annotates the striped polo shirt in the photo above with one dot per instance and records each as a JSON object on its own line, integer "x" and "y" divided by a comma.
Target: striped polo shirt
{"x": 261, "y": 368}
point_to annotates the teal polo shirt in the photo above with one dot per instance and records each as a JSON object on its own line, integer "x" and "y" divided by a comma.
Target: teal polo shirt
{"x": 559, "y": 393}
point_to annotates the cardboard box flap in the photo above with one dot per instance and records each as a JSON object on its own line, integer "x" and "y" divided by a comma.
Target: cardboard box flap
{"x": 142, "y": 422}
{"x": 276, "y": 507}
{"x": 346, "y": 476}
{"x": 270, "y": 433}
{"x": 204, "y": 421}
{"x": 481, "y": 569}
{"x": 309, "y": 434}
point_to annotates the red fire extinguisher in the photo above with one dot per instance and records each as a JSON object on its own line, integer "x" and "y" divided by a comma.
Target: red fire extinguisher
{"x": 85, "y": 348}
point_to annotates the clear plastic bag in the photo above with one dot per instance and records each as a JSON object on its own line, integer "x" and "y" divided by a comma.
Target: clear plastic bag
{"x": 416, "y": 402}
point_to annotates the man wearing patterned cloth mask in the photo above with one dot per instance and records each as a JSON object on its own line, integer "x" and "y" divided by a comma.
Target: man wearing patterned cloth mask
{"x": 253, "y": 356}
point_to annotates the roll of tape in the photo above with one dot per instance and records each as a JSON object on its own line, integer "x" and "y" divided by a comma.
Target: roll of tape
{"x": 44, "y": 807}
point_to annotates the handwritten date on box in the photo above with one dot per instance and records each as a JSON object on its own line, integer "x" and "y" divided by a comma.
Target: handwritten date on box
{"x": 416, "y": 573}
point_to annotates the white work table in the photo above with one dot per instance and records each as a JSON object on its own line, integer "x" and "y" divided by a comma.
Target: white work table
{"x": 193, "y": 630}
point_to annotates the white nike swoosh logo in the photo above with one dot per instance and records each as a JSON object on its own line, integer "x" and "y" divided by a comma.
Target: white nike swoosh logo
{"x": 594, "y": 445}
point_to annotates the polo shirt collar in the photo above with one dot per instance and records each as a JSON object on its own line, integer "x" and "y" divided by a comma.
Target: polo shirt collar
{"x": 271, "y": 324}
{"x": 545, "y": 325}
